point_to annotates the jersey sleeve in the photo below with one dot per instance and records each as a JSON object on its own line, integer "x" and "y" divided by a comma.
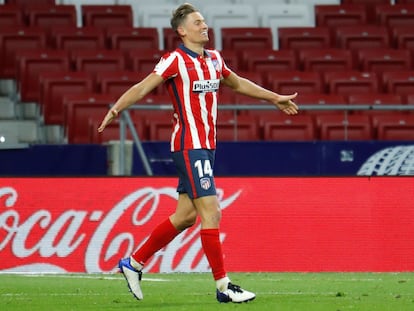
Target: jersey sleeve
{"x": 167, "y": 67}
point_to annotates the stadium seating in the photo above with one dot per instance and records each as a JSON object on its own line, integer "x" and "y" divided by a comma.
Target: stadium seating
{"x": 326, "y": 59}
{"x": 277, "y": 16}
{"x": 321, "y": 100}
{"x": 112, "y": 131}
{"x": 240, "y": 128}
{"x": 295, "y": 81}
{"x": 229, "y": 16}
{"x": 403, "y": 37}
{"x": 144, "y": 60}
{"x": 107, "y": 16}
{"x": 117, "y": 82}
{"x": 49, "y": 17}
{"x": 24, "y": 3}
{"x": 340, "y": 15}
{"x": 246, "y": 38}
{"x": 54, "y": 86}
{"x": 130, "y": 39}
{"x": 351, "y": 82}
{"x": 13, "y": 39}
{"x": 342, "y": 126}
{"x": 399, "y": 82}
{"x": 380, "y": 60}
{"x": 287, "y": 128}
{"x": 370, "y": 6}
{"x": 377, "y": 100}
{"x": 33, "y": 63}
{"x": 304, "y": 37}
{"x": 153, "y": 15}
{"x": 74, "y": 38}
{"x": 395, "y": 15}
{"x": 10, "y": 15}
{"x": 80, "y": 110}
{"x": 394, "y": 126}
{"x": 262, "y": 60}
{"x": 94, "y": 61}
{"x": 357, "y": 37}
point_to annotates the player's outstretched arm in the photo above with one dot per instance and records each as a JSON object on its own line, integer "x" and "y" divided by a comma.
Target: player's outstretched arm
{"x": 246, "y": 87}
{"x": 130, "y": 97}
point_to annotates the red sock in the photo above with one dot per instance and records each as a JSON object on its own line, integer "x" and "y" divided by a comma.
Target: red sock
{"x": 210, "y": 239}
{"x": 161, "y": 236}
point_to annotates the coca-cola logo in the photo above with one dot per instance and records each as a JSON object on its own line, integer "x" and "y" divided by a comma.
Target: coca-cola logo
{"x": 49, "y": 239}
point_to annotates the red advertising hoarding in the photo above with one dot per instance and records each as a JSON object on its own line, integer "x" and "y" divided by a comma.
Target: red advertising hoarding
{"x": 269, "y": 224}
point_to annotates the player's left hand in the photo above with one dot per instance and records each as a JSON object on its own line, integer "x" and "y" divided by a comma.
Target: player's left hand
{"x": 286, "y": 104}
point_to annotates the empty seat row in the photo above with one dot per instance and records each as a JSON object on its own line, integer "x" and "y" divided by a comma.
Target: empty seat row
{"x": 83, "y": 113}
{"x": 273, "y": 16}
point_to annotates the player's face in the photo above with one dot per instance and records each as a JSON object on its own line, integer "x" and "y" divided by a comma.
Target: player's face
{"x": 195, "y": 28}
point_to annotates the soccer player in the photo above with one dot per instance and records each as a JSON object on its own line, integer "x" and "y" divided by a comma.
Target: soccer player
{"x": 192, "y": 75}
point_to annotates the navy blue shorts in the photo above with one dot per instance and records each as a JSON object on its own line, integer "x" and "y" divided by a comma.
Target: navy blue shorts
{"x": 195, "y": 172}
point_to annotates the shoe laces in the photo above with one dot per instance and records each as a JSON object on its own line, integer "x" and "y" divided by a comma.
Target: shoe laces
{"x": 235, "y": 288}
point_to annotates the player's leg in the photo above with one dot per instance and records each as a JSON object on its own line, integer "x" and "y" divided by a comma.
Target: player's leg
{"x": 195, "y": 168}
{"x": 184, "y": 217}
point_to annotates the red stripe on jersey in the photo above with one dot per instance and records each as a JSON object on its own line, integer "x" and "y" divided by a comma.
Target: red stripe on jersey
{"x": 192, "y": 82}
{"x": 190, "y": 173}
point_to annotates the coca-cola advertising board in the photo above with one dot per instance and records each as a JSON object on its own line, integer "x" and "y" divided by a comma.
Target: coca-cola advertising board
{"x": 268, "y": 224}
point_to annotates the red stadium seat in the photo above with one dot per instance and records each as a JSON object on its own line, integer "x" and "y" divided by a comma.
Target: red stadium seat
{"x": 362, "y": 37}
{"x": 24, "y": 3}
{"x": 395, "y": 15}
{"x": 370, "y": 6}
{"x": 342, "y": 126}
{"x": 49, "y": 17}
{"x": 394, "y": 126}
{"x": 375, "y": 99}
{"x": 380, "y": 60}
{"x": 241, "y": 128}
{"x": 340, "y": 15}
{"x": 55, "y": 86}
{"x": 289, "y": 128}
{"x": 244, "y": 38}
{"x": 304, "y": 37}
{"x": 33, "y": 63}
{"x": 326, "y": 60}
{"x": 131, "y": 39}
{"x": 172, "y": 40}
{"x": 295, "y": 81}
{"x": 94, "y": 61}
{"x": 13, "y": 39}
{"x": 410, "y": 101}
{"x": 144, "y": 60}
{"x": 321, "y": 100}
{"x": 261, "y": 60}
{"x": 403, "y": 37}
{"x": 160, "y": 126}
{"x": 112, "y": 131}
{"x": 399, "y": 82}
{"x": 117, "y": 82}
{"x": 107, "y": 16}
{"x": 352, "y": 82}
{"x": 74, "y": 39}
{"x": 10, "y": 15}
{"x": 232, "y": 59}
{"x": 254, "y": 76}
{"x": 80, "y": 110}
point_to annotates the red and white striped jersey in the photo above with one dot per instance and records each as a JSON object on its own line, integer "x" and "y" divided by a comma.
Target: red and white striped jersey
{"x": 193, "y": 81}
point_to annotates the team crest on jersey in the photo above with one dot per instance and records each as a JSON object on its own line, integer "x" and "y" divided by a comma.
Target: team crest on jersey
{"x": 216, "y": 64}
{"x": 205, "y": 183}
{"x": 205, "y": 86}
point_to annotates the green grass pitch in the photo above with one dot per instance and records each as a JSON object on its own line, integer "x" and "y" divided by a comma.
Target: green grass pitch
{"x": 192, "y": 291}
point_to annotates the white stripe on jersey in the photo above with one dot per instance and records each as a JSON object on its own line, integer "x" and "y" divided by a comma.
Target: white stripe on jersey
{"x": 213, "y": 75}
{"x": 203, "y": 105}
{"x": 187, "y": 102}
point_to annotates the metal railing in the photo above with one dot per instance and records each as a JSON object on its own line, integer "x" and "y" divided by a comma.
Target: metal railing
{"x": 126, "y": 122}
